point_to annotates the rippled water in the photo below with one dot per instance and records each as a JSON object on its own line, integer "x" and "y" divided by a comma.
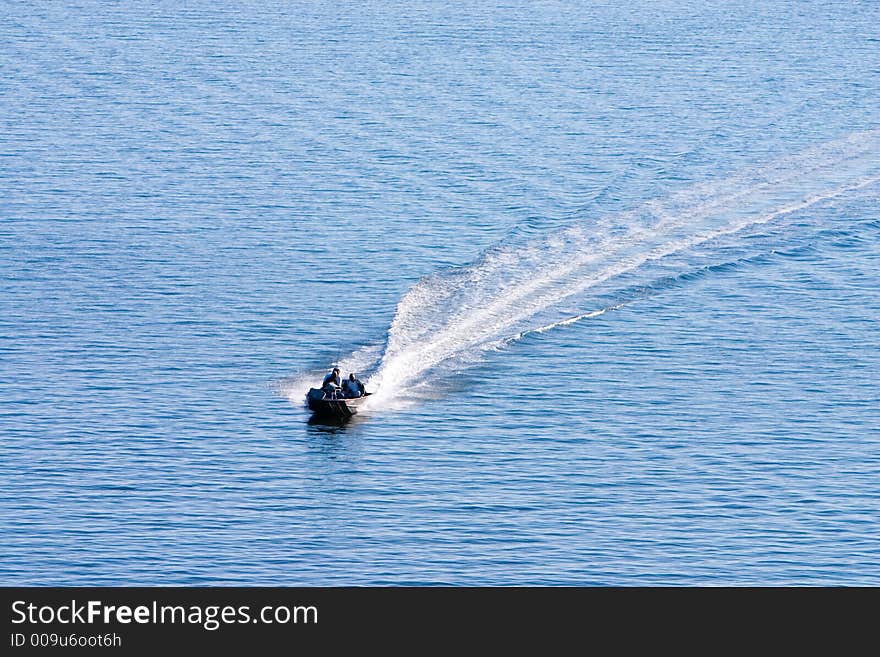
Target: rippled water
{"x": 613, "y": 272}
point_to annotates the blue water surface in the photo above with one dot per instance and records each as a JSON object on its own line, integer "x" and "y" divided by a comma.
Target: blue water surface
{"x": 202, "y": 205}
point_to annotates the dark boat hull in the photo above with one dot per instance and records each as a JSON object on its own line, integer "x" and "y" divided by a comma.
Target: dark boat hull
{"x": 335, "y": 408}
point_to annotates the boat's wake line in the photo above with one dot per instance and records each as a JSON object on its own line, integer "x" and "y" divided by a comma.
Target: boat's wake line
{"x": 449, "y": 320}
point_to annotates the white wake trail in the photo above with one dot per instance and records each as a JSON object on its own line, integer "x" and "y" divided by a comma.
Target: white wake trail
{"x": 451, "y": 318}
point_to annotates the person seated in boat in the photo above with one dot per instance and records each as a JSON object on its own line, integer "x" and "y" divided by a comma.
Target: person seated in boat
{"x": 331, "y": 383}
{"x": 352, "y": 387}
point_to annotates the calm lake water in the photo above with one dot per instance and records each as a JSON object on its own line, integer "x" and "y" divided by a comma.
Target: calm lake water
{"x": 612, "y": 271}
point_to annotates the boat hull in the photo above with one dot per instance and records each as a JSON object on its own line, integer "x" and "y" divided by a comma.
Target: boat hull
{"x": 335, "y": 408}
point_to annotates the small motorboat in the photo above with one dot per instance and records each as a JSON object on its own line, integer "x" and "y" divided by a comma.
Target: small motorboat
{"x": 335, "y": 406}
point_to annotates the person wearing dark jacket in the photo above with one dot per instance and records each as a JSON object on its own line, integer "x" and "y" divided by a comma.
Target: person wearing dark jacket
{"x": 331, "y": 383}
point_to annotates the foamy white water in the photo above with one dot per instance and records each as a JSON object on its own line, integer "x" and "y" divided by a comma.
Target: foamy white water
{"x": 447, "y": 320}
